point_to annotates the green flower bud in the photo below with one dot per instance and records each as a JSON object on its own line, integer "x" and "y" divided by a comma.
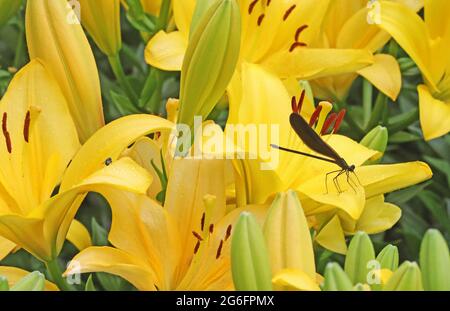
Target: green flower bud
{"x": 361, "y": 287}
{"x": 376, "y": 139}
{"x": 435, "y": 262}
{"x": 201, "y": 7}
{"x": 388, "y": 258}
{"x": 210, "y": 60}
{"x": 3, "y": 284}
{"x": 35, "y": 281}
{"x": 250, "y": 264}
{"x": 406, "y": 278}
{"x": 359, "y": 257}
{"x": 336, "y": 279}
{"x": 7, "y": 9}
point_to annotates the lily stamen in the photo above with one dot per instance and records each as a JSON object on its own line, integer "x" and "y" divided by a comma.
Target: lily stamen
{"x": 315, "y": 116}
{"x": 299, "y": 32}
{"x": 331, "y": 118}
{"x": 202, "y": 222}
{"x": 228, "y": 234}
{"x": 219, "y": 250}
{"x": 288, "y": 12}
{"x": 197, "y": 236}
{"x": 6, "y": 133}
{"x": 211, "y": 228}
{"x": 260, "y": 19}
{"x": 26, "y": 127}
{"x": 339, "y": 120}
{"x": 296, "y": 45}
{"x": 252, "y": 6}
{"x": 197, "y": 246}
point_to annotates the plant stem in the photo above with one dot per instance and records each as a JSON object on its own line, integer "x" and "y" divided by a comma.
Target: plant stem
{"x": 367, "y": 100}
{"x": 56, "y": 275}
{"x": 117, "y": 68}
{"x": 19, "y": 47}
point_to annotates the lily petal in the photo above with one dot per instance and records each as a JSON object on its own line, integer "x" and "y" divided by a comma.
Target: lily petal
{"x": 166, "y": 51}
{"x": 6, "y": 247}
{"x": 78, "y": 235}
{"x": 14, "y": 275}
{"x": 183, "y": 10}
{"x": 332, "y": 237}
{"x": 434, "y": 114}
{"x": 295, "y": 280}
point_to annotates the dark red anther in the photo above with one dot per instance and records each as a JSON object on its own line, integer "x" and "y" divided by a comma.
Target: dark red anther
{"x": 211, "y": 228}
{"x": 300, "y": 102}
{"x": 197, "y": 236}
{"x": 219, "y": 250}
{"x": 26, "y": 126}
{"x": 6, "y": 133}
{"x": 315, "y": 116}
{"x": 260, "y": 19}
{"x": 339, "y": 120}
{"x": 202, "y": 222}
{"x": 288, "y": 12}
{"x": 331, "y": 118}
{"x": 296, "y": 45}
{"x": 4, "y": 120}
{"x": 294, "y": 105}
{"x": 197, "y": 246}
{"x": 268, "y": 2}
{"x": 228, "y": 234}
{"x": 252, "y": 6}
{"x": 299, "y": 32}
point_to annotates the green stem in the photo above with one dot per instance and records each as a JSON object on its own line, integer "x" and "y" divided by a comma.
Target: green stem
{"x": 19, "y": 47}
{"x": 367, "y": 100}
{"x": 117, "y": 68}
{"x": 56, "y": 275}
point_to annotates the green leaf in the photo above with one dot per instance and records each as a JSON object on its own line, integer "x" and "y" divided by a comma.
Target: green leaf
{"x": 403, "y": 137}
{"x": 440, "y": 165}
{"x": 437, "y": 208}
{"x": 402, "y": 196}
{"x": 4, "y": 287}
{"x": 123, "y": 103}
{"x": 99, "y": 234}
{"x": 90, "y": 287}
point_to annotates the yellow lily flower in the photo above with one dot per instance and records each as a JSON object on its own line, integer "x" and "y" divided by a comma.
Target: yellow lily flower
{"x": 426, "y": 42}
{"x": 304, "y": 174}
{"x": 14, "y": 274}
{"x": 39, "y": 140}
{"x": 55, "y": 36}
{"x": 101, "y": 19}
{"x": 184, "y": 245}
{"x": 274, "y": 36}
{"x": 349, "y": 26}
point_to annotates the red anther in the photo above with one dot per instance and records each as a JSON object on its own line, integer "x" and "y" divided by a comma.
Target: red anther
{"x": 339, "y": 120}
{"x": 268, "y": 2}
{"x": 296, "y": 45}
{"x": 331, "y": 118}
{"x": 228, "y": 234}
{"x": 197, "y": 246}
{"x": 202, "y": 221}
{"x": 6, "y": 133}
{"x": 26, "y": 126}
{"x": 252, "y": 6}
{"x": 197, "y": 236}
{"x": 4, "y": 120}
{"x": 219, "y": 250}
{"x": 315, "y": 116}
{"x": 288, "y": 12}
{"x": 299, "y": 32}
{"x": 211, "y": 228}
{"x": 300, "y": 102}
{"x": 294, "y": 104}
{"x": 260, "y": 19}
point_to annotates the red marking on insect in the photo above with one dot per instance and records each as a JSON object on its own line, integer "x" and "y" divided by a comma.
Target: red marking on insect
{"x": 339, "y": 120}
{"x": 331, "y": 118}
{"x": 219, "y": 250}
{"x": 26, "y": 126}
{"x": 315, "y": 116}
{"x": 296, "y": 45}
{"x": 288, "y": 12}
{"x": 197, "y": 236}
{"x": 252, "y": 6}
{"x": 260, "y": 19}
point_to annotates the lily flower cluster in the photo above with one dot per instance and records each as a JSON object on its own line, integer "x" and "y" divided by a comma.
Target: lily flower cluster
{"x": 215, "y": 213}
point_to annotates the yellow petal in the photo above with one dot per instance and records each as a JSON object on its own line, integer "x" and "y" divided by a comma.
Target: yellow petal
{"x": 380, "y": 179}
{"x": 15, "y": 274}
{"x": 101, "y": 18}
{"x": 183, "y": 10}
{"x": 332, "y": 237}
{"x": 78, "y": 235}
{"x": 409, "y": 30}
{"x": 109, "y": 142}
{"x": 145, "y": 230}
{"x": 166, "y": 51}
{"x": 31, "y": 171}
{"x": 114, "y": 261}
{"x": 295, "y": 280}
{"x": 436, "y": 17}
{"x": 308, "y": 63}
{"x": 384, "y": 74}
{"x": 55, "y": 36}
{"x": 434, "y": 114}
{"x": 6, "y": 247}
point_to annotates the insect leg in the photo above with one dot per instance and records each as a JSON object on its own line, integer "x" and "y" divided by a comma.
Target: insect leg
{"x": 326, "y": 178}
{"x": 337, "y": 181}
{"x": 349, "y": 181}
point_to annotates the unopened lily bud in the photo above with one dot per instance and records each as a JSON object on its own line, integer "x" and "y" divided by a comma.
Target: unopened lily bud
{"x": 250, "y": 264}
{"x": 336, "y": 279}
{"x": 388, "y": 258}
{"x": 7, "y": 9}
{"x": 35, "y": 281}
{"x": 101, "y": 18}
{"x": 376, "y": 139}
{"x": 3, "y": 284}
{"x": 288, "y": 237}
{"x": 360, "y": 255}
{"x": 406, "y": 278}
{"x": 435, "y": 262}
{"x": 210, "y": 60}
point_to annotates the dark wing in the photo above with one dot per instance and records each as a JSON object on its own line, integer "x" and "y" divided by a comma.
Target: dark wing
{"x": 311, "y": 138}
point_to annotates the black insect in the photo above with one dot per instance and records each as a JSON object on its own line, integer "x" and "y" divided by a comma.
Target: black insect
{"x": 108, "y": 162}
{"x": 317, "y": 144}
